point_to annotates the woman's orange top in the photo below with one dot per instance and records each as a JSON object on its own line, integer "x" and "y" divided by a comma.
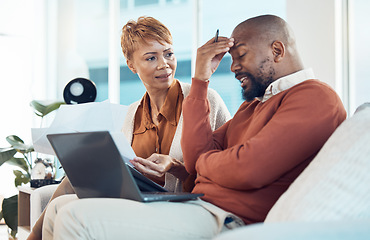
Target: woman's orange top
{"x": 149, "y": 138}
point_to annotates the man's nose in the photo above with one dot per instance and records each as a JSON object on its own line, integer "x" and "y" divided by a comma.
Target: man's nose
{"x": 235, "y": 66}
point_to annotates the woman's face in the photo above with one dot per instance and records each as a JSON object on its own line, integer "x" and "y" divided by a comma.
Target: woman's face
{"x": 155, "y": 63}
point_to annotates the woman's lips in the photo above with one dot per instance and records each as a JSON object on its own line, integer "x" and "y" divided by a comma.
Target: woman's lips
{"x": 164, "y": 75}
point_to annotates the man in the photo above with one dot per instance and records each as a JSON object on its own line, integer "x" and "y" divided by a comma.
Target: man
{"x": 245, "y": 165}
{"x": 254, "y": 157}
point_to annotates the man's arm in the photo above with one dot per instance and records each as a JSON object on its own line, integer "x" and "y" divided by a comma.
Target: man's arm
{"x": 197, "y": 136}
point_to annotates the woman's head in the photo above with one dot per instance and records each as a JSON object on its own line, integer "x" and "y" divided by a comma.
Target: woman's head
{"x": 147, "y": 46}
{"x": 139, "y": 32}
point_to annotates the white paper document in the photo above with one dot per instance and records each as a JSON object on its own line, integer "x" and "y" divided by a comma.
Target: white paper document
{"x": 88, "y": 117}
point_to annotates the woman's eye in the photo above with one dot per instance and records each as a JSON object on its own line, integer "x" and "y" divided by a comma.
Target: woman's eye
{"x": 150, "y": 59}
{"x": 169, "y": 55}
{"x": 242, "y": 55}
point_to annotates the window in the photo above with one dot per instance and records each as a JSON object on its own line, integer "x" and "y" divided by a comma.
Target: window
{"x": 359, "y": 84}
{"x": 139, "y": 3}
{"x": 178, "y": 18}
{"x": 131, "y": 88}
{"x": 225, "y": 17}
{"x": 91, "y": 21}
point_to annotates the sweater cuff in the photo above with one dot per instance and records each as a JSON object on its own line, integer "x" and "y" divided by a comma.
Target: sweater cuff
{"x": 198, "y": 89}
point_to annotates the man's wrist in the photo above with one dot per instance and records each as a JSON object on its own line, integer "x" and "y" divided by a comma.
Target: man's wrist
{"x": 199, "y": 79}
{"x": 199, "y": 89}
{"x": 178, "y": 169}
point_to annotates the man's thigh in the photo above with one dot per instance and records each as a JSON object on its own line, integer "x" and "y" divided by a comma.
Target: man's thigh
{"x": 126, "y": 219}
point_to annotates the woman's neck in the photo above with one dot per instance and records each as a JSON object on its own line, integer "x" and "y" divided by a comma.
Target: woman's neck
{"x": 157, "y": 99}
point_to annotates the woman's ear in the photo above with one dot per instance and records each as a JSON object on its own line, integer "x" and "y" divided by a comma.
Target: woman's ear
{"x": 131, "y": 66}
{"x": 278, "y": 50}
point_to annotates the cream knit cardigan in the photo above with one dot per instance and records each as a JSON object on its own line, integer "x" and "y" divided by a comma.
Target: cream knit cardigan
{"x": 219, "y": 114}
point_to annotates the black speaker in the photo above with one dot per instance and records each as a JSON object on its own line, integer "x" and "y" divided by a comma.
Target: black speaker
{"x": 79, "y": 90}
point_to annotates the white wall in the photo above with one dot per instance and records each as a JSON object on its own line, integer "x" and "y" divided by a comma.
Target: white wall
{"x": 318, "y": 34}
{"x": 16, "y": 71}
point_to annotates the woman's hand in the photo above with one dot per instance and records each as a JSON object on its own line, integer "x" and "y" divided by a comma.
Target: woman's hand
{"x": 155, "y": 165}
{"x": 158, "y": 164}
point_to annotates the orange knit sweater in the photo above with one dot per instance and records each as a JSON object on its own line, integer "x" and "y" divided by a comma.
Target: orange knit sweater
{"x": 245, "y": 165}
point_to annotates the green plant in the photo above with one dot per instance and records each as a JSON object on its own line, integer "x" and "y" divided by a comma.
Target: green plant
{"x": 23, "y": 162}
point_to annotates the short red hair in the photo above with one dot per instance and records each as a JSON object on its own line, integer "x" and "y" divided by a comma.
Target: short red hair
{"x": 145, "y": 28}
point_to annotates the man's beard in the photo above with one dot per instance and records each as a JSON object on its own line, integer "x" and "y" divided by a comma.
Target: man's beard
{"x": 257, "y": 87}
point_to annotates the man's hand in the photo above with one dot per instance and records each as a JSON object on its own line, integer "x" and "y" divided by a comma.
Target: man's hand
{"x": 155, "y": 165}
{"x": 209, "y": 57}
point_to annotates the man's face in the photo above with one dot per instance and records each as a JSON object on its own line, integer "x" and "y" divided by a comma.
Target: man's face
{"x": 252, "y": 65}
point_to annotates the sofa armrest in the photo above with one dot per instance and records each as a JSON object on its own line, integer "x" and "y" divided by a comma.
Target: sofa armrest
{"x": 328, "y": 230}
{"x": 39, "y": 199}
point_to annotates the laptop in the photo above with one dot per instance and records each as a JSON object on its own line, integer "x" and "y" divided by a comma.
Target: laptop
{"x": 95, "y": 169}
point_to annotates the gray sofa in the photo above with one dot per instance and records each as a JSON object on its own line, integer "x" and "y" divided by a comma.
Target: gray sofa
{"x": 329, "y": 200}
{"x": 38, "y": 200}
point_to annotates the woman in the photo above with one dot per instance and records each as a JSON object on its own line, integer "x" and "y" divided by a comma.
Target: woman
{"x": 153, "y": 125}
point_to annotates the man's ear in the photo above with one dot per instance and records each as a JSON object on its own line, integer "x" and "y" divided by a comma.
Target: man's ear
{"x": 278, "y": 50}
{"x": 131, "y": 66}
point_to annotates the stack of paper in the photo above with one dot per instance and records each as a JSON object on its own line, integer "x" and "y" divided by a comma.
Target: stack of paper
{"x": 88, "y": 117}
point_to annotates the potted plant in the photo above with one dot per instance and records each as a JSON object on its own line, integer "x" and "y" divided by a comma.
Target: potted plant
{"x": 24, "y": 164}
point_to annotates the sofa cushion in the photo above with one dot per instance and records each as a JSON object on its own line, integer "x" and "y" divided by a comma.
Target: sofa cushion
{"x": 332, "y": 230}
{"x": 336, "y": 185}
{"x": 39, "y": 199}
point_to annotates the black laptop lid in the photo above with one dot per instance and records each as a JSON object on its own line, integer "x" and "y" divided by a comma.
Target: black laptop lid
{"x": 96, "y": 169}
{"x": 93, "y": 164}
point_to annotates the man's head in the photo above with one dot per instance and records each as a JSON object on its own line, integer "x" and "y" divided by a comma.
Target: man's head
{"x": 264, "y": 50}
{"x": 135, "y": 33}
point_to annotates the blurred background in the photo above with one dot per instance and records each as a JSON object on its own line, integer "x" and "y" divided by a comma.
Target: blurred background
{"x": 46, "y": 43}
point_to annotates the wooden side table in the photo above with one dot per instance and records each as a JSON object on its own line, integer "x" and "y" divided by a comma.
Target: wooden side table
{"x": 24, "y": 211}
